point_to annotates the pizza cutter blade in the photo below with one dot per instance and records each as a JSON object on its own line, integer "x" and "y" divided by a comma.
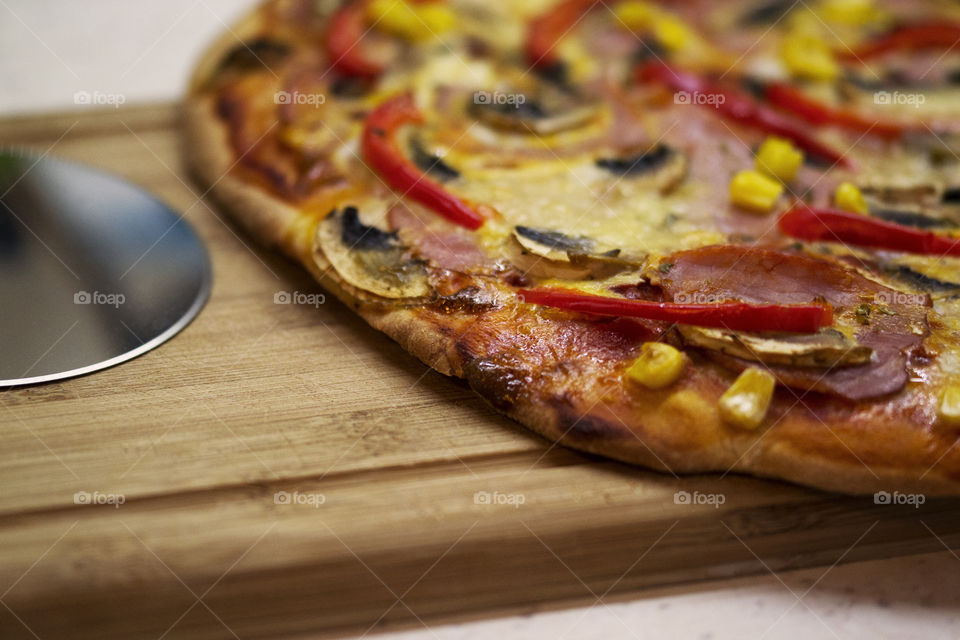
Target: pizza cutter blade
{"x": 94, "y": 271}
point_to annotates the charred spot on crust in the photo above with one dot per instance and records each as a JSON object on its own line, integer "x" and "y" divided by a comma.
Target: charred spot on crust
{"x": 469, "y": 300}
{"x": 499, "y": 381}
{"x": 576, "y": 425}
{"x": 555, "y": 239}
{"x": 637, "y": 164}
{"x": 254, "y": 55}
{"x": 357, "y": 235}
{"x": 430, "y": 163}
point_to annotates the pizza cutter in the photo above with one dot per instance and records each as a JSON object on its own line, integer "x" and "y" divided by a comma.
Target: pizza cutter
{"x": 94, "y": 271}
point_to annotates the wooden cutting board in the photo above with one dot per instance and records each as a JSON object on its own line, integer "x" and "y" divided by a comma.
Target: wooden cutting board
{"x": 286, "y": 469}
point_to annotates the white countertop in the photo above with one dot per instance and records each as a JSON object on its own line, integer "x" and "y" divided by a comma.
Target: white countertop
{"x": 63, "y": 54}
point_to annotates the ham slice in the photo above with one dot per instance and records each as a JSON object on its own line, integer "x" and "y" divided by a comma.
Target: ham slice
{"x": 893, "y": 328}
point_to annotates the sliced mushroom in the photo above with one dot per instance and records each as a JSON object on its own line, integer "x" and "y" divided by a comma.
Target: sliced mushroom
{"x": 904, "y": 191}
{"x": 548, "y": 110}
{"x": 663, "y": 166}
{"x": 552, "y": 245}
{"x": 767, "y": 13}
{"x": 828, "y": 348}
{"x": 549, "y": 253}
{"x": 918, "y": 280}
{"x": 431, "y": 163}
{"x": 369, "y": 258}
{"x": 920, "y": 219}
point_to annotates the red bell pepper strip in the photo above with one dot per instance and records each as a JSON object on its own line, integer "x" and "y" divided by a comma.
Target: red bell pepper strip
{"x": 740, "y": 108}
{"x": 547, "y": 29}
{"x": 380, "y": 151}
{"x": 343, "y": 45}
{"x": 909, "y": 37}
{"x": 831, "y": 225}
{"x": 791, "y": 99}
{"x": 737, "y": 316}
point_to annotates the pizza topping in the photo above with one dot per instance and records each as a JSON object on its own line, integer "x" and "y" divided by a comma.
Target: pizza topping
{"x": 849, "y": 198}
{"x": 546, "y": 111}
{"x": 547, "y": 29}
{"x": 550, "y": 244}
{"x": 412, "y": 21}
{"x": 826, "y": 348}
{"x": 357, "y": 235}
{"x": 921, "y": 281}
{"x": 743, "y": 316}
{"x": 431, "y": 163}
{"x": 746, "y": 402}
{"x": 909, "y": 37}
{"x": 658, "y": 366}
{"x": 381, "y": 151}
{"x": 558, "y": 255}
{"x": 738, "y": 107}
{"x": 949, "y": 410}
{"x": 669, "y": 31}
{"x": 764, "y": 13}
{"x": 344, "y": 41}
{"x": 830, "y": 225}
{"x": 368, "y": 258}
{"x": 779, "y": 158}
{"x": 897, "y": 323}
{"x": 809, "y": 57}
{"x": 795, "y": 101}
{"x": 755, "y": 191}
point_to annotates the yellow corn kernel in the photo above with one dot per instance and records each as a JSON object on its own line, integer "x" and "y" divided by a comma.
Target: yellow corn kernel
{"x": 672, "y": 32}
{"x": 849, "y": 12}
{"x": 658, "y": 366}
{"x": 950, "y": 406}
{"x": 754, "y": 191}
{"x": 411, "y": 22}
{"x": 849, "y": 198}
{"x": 779, "y": 158}
{"x": 637, "y": 15}
{"x": 746, "y": 402}
{"x": 809, "y": 57}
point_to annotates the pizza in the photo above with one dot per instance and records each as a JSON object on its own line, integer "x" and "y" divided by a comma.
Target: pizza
{"x": 696, "y": 237}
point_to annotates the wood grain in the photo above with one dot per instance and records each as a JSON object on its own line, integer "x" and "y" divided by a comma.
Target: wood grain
{"x": 381, "y": 459}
